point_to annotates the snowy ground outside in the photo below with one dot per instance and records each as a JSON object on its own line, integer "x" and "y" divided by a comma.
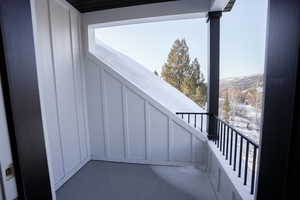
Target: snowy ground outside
{"x": 248, "y": 123}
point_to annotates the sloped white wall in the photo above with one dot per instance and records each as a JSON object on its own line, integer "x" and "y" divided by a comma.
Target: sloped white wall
{"x": 57, "y": 28}
{"x": 127, "y": 125}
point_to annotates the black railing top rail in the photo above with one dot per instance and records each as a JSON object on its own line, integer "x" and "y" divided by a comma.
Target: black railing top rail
{"x": 192, "y": 113}
{"x": 238, "y": 132}
{"x": 196, "y": 122}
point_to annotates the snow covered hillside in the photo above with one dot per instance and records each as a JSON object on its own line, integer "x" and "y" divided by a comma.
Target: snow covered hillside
{"x": 245, "y": 103}
{"x": 140, "y": 76}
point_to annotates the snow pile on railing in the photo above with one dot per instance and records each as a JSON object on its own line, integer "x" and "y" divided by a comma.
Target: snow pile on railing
{"x": 147, "y": 81}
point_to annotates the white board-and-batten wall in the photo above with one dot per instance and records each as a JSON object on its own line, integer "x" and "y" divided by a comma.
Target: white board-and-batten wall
{"x": 127, "y": 125}
{"x": 57, "y": 34}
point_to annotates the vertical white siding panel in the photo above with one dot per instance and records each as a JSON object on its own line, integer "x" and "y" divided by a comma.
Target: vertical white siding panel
{"x": 196, "y": 150}
{"x": 170, "y": 142}
{"x": 82, "y": 73}
{"x": 147, "y": 131}
{"x": 158, "y": 130}
{"x": 113, "y": 101}
{"x": 136, "y": 126}
{"x": 78, "y": 84}
{"x": 125, "y": 121}
{"x": 104, "y": 113}
{"x": 213, "y": 170}
{"x": 74, "y": 53}
{"x": 47, "y": 86}
{"x": 95, "y": 110}
{"x": 182, "y": 144}
{"x": 192, "y": 148}
{"x": 64, "y": 82}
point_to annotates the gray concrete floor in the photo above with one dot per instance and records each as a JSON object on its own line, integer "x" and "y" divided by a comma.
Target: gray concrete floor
{"x": 123, "y": 181}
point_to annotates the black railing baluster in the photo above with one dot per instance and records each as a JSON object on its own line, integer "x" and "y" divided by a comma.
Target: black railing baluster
{"x": 217, "y": 136}
{"x": 235, "y": 151}
{"x": 227, "y": 142}
{"x": 253, "y": 169}
{"x": 201, "y": 123}
{"x": 241, "y": 151}
{"x": 218, "y": 141}
{"x": 221, "y": 136}
{"x": 246, "y": 163}
{"x": 231, "y": 140}
{"x": 224, "y": 139}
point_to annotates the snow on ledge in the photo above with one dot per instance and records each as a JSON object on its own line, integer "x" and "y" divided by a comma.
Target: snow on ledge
{"x": 162, "y": 92}
{"x": 243, "y": 191}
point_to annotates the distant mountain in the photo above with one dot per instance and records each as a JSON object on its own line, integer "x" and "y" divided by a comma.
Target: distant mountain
{"x": 245, "y": 90}
{"x": 242, "y": 83}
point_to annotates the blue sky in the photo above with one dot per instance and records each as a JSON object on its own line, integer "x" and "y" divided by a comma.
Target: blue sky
{"x": 243, "y": 33}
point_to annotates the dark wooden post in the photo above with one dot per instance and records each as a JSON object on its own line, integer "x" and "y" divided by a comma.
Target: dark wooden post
{"x": 213, "y": 72}
{"x": 280, "y": 130}
{"x": 22, "y": 103}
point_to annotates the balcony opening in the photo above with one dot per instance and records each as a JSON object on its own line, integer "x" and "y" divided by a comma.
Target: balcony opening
{"x": 242, "y": 66}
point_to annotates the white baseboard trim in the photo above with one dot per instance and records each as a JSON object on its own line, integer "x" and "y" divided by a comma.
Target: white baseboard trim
{"x": 71, "y": 173}
{"x": 146, "y": 162}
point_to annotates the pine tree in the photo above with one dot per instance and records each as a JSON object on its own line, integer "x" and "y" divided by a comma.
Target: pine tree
{"x": 177, "y": 63}
{"x": 226, "y": 107}
{"x": 186, "y": 87}
{"x": 201, "y": 95}
{"x": 198, "y": 84}
{"x": 183, "y": 75}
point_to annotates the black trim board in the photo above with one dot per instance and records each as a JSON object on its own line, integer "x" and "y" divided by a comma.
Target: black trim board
{"x": 280, "y": 102}
{"x": 294, "y": 150}
{"x": 94, "y": 5}
{"x": 213, "y": 71}
{"x": 21, "y": 95}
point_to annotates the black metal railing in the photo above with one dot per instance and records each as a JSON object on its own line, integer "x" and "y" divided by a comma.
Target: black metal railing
{"x": 238, "y": 150}
{"x": 197, "y": 120}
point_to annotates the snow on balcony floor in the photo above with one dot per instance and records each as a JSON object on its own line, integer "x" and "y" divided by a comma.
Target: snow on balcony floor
{"x": 140, "y": 76}
{"x": 123, "y": 181}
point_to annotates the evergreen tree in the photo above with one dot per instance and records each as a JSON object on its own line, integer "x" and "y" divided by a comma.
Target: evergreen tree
{"x": 197, "y": 74}
{"x": 186, "y": 87}
{"x": 177, "y": 63}
{"x": 198, "y": 85}
{"x": 226, "y": 108}
{"x": 183, "y": 75}
{"x": 201, "y": 95}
